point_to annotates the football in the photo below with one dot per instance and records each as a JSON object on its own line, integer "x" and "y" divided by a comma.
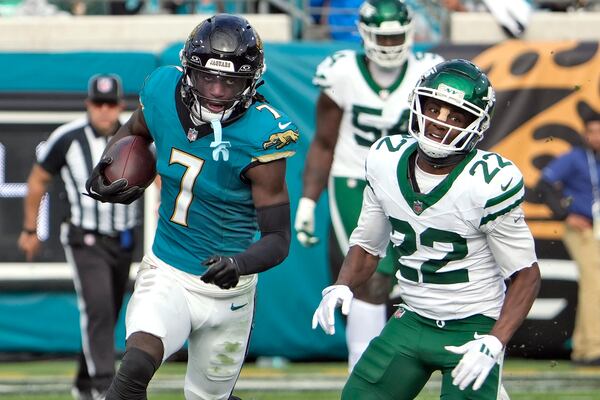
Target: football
{"x": 133, "y": 160}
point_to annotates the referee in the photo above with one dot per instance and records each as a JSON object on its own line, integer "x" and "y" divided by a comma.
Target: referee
{"x": 97, "y": 239}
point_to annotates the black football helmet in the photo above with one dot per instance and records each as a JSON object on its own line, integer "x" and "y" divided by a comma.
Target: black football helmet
{"x": 223, "y": 61}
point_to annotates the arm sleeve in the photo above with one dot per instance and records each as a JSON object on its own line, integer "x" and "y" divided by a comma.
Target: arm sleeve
{"x": 274, "y": 243}
{"x": 331, "y": 76}
{"x": 373, "y": 230}
{"x": 511, "y": 243}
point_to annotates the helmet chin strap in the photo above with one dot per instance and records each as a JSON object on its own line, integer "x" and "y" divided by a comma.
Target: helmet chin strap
{"x": 201, "y": 115}
{"x": 441, "y": 162}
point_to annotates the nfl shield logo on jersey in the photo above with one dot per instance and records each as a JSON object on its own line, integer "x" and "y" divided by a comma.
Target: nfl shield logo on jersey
{"x": 417, "y": 206}
{"x": 192, "y": 134}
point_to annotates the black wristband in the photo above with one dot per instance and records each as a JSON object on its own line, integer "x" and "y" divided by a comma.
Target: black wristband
{"x": 30, "y": 231}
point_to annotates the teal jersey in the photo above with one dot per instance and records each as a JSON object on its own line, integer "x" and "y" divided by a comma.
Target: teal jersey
{"x": 206, "y": 204}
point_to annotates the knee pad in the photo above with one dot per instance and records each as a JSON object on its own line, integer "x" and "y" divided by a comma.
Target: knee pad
{"x": 135, "y": 372}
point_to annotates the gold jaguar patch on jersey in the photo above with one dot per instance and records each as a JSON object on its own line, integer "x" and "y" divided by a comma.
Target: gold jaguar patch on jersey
{"x": 281, "y": 139}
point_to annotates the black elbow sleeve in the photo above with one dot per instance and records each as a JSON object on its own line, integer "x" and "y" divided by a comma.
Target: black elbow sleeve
{"x": 274, "y": 243}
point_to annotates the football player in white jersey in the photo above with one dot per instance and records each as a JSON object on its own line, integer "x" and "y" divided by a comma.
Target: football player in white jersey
{"x": 453, "y": 215}
{"x": 364, "y": 96}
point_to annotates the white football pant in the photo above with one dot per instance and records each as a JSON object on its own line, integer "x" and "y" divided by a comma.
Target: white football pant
{"x": 176, "y": 306}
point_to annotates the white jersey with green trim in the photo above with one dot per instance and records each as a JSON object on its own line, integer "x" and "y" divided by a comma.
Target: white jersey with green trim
{"x": 455, "y": 244}
{"x": 369, "y": 111}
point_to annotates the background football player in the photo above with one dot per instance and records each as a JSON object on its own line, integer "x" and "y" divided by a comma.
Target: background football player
{"x": 453, "y": 215}
{"x": 364, "y": 96}
{"x": 221, "y": 154}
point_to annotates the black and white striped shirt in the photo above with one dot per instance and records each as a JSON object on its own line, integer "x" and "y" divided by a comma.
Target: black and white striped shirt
{"x": 73, "y": 150}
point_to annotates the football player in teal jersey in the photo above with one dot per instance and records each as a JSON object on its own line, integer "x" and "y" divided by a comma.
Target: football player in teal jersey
{"x": 453, "y": 215}
{"x": 221, "y": 154}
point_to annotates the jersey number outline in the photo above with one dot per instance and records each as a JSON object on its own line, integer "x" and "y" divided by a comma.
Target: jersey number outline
{"x": 193, "y": 166}
{"x": 430, "y": 268}
{"x": 267, "y": 107}
{"x": 400, "y": 127}
{"x": 487, "y": 175}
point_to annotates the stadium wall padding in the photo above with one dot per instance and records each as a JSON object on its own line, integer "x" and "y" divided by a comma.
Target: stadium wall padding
{"x": 46, "y": 321}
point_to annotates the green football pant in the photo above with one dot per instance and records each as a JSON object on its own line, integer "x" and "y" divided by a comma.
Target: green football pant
{"x": 345, "y": 203}
{"x": 400, "y": 361}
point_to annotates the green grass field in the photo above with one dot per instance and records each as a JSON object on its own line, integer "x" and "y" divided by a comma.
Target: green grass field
{"x": 524, "y": 380}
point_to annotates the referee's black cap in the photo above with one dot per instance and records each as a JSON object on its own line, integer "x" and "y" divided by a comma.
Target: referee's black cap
{"x": 105, "y": 88}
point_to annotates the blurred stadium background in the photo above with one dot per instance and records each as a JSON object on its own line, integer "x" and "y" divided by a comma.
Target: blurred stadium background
{"x": 546, "y": 81}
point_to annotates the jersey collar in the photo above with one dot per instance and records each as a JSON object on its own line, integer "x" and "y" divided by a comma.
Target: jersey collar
{"x": 419, "y": 202}
{"x": 361, "y": 61}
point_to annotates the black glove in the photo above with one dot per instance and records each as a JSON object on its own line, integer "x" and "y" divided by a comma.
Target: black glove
{"x": 116, "y": 192}
{"x": 222, "y": 271}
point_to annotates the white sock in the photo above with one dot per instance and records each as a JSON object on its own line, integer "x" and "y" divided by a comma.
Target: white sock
{"x": 365, "y": 321}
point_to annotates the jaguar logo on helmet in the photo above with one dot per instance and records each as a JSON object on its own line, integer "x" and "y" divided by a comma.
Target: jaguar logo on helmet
{"x": 195, "y": 59}
{"x": 245, "y": 68}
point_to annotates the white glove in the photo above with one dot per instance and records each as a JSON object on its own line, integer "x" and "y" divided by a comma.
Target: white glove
{"x": 333, "y": 296}
{"x": 305, "y": 222}
{"x": 479, "y": 358}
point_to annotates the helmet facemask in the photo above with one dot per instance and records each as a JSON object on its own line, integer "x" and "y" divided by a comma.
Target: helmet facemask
{"x": 215, "y": 94}
{"x": 386, "y": 29}
{"x": 466, "y": 92}
{"x": 450, "y": 143}
{"x": 387, "y": 45}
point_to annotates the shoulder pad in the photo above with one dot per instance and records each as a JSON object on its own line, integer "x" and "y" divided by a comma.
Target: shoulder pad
{"x": 158, "y": 76}
{"x": 392, "y": 143}
{"x": 387, "y": 147}
{"x": 333, "y": 69}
